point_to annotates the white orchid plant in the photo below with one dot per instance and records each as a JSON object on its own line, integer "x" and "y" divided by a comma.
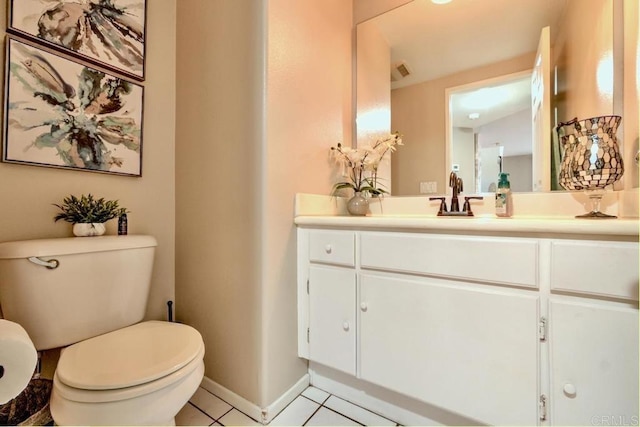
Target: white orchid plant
{"x": 361, "y": 165}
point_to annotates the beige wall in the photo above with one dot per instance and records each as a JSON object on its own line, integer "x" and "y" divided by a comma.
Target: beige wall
{"x": 367, "y": 9}
{"x": 218, "y": 191}
{"x": 373, "y": 102}
{"x": 27, "y": 192}
{"x": 631, "y": 117}
{"x": 245, "y": 147}
{"x": 373, "y": 93}
{"x": 584, "y": 60}
{"x": 373, "y": 87}
{"x": 309, "y": 108}
{"x": 418, "y": 112}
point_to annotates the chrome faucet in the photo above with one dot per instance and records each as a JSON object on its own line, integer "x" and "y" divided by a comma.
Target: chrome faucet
{"x": 456, "y": 183}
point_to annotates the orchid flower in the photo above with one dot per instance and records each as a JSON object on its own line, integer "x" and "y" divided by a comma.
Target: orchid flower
{"x": 360, "y": 165}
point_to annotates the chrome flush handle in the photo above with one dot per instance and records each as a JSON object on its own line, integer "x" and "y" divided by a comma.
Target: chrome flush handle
{"x": 51, "y": 264}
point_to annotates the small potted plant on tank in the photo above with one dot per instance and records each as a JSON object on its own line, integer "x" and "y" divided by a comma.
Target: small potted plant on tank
{"x": 88, "y": 214}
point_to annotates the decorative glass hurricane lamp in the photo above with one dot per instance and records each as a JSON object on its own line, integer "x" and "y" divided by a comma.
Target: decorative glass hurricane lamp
{"x": 591, "y": 158}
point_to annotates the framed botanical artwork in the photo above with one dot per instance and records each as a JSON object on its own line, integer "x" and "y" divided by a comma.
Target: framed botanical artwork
{"x": 106, "y": 33}
{"x": 63, "y": 114}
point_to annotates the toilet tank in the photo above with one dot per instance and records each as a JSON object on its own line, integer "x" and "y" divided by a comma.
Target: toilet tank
{"x": 100, "y": 284}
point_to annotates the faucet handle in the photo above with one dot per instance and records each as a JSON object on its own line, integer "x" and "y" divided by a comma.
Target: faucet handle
{"x": 443, "y": 204}
{"x": 467, "y": 206}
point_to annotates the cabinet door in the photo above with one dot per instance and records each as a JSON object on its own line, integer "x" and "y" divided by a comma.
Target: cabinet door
{"x": 332, "y": 313}
{"x": 594, "y": 363}
{"x": 470, "y": 349}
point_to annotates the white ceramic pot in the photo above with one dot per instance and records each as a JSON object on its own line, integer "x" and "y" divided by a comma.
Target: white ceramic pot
{"x": 89, "y": 229}
{"x": 358, "y": 205}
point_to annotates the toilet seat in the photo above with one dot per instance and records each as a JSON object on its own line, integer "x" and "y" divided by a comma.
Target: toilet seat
{"x": 128, "y": 362}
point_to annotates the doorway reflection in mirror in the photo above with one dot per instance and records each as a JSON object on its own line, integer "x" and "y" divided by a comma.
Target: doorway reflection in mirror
{"x": 491, "y": 132}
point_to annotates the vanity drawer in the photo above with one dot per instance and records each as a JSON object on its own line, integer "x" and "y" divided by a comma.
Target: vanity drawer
{"x": 596, "y": 268}
{"x": 332, "y": 247}
{"x": 502, "y": 260}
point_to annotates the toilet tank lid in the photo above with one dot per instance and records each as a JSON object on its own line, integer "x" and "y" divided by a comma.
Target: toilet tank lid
{"x": 73, "y": 245}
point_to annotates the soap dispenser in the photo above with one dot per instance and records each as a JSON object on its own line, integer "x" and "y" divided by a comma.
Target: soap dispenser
{"x": 504, "y": 204}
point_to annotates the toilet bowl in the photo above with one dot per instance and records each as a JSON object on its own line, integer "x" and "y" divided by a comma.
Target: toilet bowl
{"x": 139, "y": 375}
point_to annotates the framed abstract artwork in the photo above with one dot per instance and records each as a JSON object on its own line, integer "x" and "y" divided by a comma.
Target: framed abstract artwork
{"x": 105, "y": 33}
{"x": 60, "y": 113}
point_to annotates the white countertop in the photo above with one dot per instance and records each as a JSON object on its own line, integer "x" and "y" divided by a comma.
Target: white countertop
{"x": 417, "y": 214}
{"x": 488, "y": 224}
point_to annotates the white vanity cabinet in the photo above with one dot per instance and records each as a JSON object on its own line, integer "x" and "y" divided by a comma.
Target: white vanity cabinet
{"x": 331, "y": 292}
{"x": 332, "y": 317}
{"x": 594, "y": 363}
{"x": 464, "y": 347}
{"x": 497, "y": 329}
{"x": 593, "y": 322}
{"x": 432, "y": 325}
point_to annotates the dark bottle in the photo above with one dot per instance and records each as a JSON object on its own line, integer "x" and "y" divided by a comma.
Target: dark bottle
{"x": 122, "y": 225}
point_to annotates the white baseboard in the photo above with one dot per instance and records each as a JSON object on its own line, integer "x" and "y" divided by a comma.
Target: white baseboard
{"x": 280, "y": 403}
{"x": 264, "y": 415}
{"x": 233, "y": 399}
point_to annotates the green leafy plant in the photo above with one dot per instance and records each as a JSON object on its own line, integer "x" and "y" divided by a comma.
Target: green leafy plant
{"x": 87, "y": 209}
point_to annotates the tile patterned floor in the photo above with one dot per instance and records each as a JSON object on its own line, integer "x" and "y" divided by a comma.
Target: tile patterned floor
{"x": 314, "y": 407}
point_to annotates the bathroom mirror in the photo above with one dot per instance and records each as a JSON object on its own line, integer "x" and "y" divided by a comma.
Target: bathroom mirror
{"x": 425, "y": 50}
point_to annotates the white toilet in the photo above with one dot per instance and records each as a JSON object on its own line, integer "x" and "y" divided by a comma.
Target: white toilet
{"x": 89, "y": 294}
